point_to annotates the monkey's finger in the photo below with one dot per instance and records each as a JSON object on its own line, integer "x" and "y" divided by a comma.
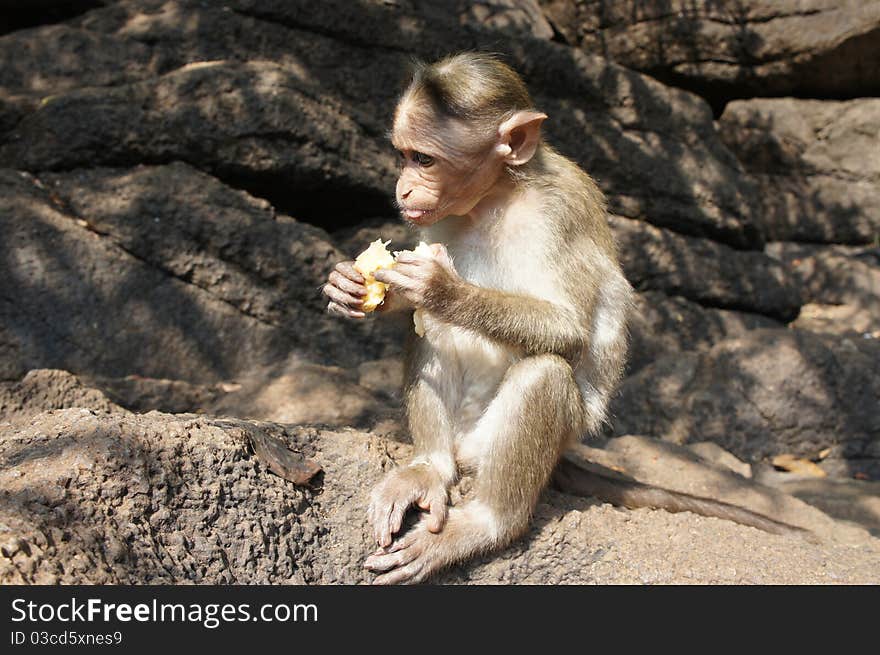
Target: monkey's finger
{"x": 387, "y": 561}
{"x": 400, "y": 508}
{"x": 400, "y": 544}
{"x": 340, "y": 297}
{"x": 409, "y": 257}
{"x": 437, "y": 515}
{"x": 418, "y": 270}
{"x": 442, "y": 256}
{"x": 382, "y": 526}
{"x": 354, "y": 288}
{"x": 349, "y": 271}
{"x": 394, "y": 278}
{"x": 335, "y": 308}
{"x": 403, "y": 575}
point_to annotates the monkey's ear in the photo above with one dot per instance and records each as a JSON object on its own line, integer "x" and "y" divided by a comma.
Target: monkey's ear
{"x": 519, "y": 135}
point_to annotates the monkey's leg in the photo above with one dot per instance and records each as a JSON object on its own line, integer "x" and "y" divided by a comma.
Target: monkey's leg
{"x": 426, "y": 479}
{"x": 537, "y": 410}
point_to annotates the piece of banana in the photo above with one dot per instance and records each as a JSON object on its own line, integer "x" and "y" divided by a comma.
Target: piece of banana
{"x": 367, "y": 263}
{"x": 371, "y": 260}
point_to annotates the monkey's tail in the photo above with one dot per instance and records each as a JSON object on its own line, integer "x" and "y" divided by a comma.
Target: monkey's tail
{"x": 582, "y": 478}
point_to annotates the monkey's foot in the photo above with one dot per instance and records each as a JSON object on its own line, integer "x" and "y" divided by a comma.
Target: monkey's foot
{"x": 411, "y": 558}
{"x": 420, "y": 552}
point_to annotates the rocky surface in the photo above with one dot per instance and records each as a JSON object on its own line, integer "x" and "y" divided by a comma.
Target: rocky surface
{"x": 108, "y": 496}
{"x": 840, "y": 283}
{"x": 816, "y": 163}
{"x": 766, "y": 392}
{"x": 272, "y": 103}
{"x": 178, "y": 177}
{"x": 735, "y": 49}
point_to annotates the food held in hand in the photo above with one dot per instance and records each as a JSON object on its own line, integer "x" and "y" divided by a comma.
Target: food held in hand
{"x": 368, "y": 262}
{"x": 418, "y": 315}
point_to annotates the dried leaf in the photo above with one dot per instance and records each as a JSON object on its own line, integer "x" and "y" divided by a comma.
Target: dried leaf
{"x": 797, "y": 465}
{"x": 283, "y": 461}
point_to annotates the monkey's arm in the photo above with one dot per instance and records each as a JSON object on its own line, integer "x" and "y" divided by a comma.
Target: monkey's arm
{"x": 536, "y": 325}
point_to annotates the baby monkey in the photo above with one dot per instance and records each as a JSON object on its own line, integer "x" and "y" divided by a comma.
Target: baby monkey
{"x": 523, "y": 305}
{"x": 524, "y": 308}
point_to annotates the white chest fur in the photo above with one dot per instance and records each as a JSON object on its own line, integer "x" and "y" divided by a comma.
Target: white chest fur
{"x": 496, "y": 253}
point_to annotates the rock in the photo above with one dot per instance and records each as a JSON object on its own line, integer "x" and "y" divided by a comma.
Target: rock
{"x": 770, "y": 391}
{"x": 663, "y": 324}
{"x": 301, "y": 393}
{"x": 142, "y": 394}
{"x": 842, "y": 283}
{"x": 194, "y": 228}
{"x": 838, "y": 319}
{"x": 715, "y": 454}
{"x": 126, "y": 498}
{"x": 680, "y": 468}
{"x": 123, "y": 498}
{"x": 382, "y": 375}
{"x": 522, "y": 18}
{"x": 48, "y": 389}
{"x": 291, "y": 124}
{"x": 174, "y": 275}
{"x": 704, "y": 271}
{"x": 836, "y": 275}
{"x": 237, "y": 120}
{"x": 183, "y": 175}
{"x": 816, "y": 163}
{"x": 61, "y": 49}
{"x": 722, "y": 50}
{"x": 846, "y": 500}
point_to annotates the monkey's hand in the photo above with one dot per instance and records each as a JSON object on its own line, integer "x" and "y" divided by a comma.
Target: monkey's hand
{"x": 391, "y": 498}
{"x": 346, "y": 290}
{"x": 421, "y": 279}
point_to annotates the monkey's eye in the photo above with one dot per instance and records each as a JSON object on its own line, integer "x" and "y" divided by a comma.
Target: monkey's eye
{"x": 422, "y": 159}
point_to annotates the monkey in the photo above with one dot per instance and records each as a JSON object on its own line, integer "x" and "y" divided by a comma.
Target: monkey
{"x": 524, "y": 306}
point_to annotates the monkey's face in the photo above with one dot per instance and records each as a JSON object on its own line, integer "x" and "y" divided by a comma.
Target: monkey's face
{"x": 442, "y": 173}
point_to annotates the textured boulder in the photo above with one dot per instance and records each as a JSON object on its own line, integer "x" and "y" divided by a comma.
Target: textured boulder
{"x": 515, "y": 17}
{"x": 163, "y": 272}
{"x": 771, "y": 391}
{"x": 702, "y": 270}
{"x": 42, "y": 390}
{"x": 841, "y": 283}
{"x": 107, "y": 496}
{"x": 735, "y": 48}
{"x": 271, "y": 102}
{"x": 816, "y": 164}
{"x": 662, "y": 324}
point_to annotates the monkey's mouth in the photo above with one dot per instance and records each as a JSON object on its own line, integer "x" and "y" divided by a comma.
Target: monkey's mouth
{"x": 417, "y": 215}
